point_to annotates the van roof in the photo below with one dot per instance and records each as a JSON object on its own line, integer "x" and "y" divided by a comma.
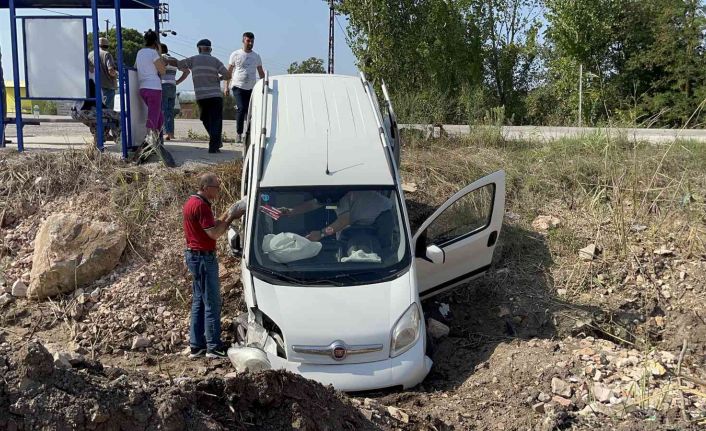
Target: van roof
{"x": 306, "y": 111}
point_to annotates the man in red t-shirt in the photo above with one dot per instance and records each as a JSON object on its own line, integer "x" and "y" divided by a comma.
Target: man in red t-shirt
{"x": 201, "y": 230}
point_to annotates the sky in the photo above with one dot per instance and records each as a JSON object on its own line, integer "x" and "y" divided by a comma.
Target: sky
{"x": 285, "y": 30}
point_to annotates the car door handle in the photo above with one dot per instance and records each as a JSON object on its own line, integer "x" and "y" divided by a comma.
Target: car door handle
{"x": 493, "y": 238}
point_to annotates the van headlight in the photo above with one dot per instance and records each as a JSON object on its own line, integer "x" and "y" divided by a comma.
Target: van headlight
{"x": 406, "y": 331}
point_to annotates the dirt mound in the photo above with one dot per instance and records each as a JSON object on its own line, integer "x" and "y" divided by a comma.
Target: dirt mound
{"x": 35, "y": 394}
{"x": 272, "y": 400}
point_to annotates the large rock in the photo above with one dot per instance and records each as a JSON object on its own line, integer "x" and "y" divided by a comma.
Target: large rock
{"x": 72, "y": 251}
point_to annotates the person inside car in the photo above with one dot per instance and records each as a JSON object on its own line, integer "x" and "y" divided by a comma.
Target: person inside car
{"x": 355, "y": 208}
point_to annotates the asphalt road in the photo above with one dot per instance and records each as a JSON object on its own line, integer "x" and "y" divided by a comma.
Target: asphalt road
{"x": 536, "y": 133}
{"x": 71, "y": 132}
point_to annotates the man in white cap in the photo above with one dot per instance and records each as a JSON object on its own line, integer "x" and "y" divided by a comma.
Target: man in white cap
{"x": 108, "y": 71}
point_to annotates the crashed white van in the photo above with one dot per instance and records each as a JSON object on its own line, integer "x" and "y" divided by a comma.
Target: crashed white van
{"x": 331, "y": 272}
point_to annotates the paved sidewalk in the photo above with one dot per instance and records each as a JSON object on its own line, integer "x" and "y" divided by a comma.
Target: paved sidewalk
{"x": 59, "y": 136}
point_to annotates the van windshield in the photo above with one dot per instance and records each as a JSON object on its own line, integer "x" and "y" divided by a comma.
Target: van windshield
{"x": 329, "y": 236}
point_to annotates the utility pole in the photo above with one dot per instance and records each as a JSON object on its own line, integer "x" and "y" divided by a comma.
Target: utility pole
{"x": 580, "y": 94}
{"x": 331, "y": 37}
{"x": 165, "y": 18}
{"x": 107, "y": 27}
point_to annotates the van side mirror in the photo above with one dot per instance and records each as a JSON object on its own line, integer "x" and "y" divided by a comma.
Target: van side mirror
{"x": 430, "y": 253}
{"x": 435, "y": 255}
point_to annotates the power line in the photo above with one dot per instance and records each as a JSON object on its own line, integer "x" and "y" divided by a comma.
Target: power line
{"x": 55, "y": 11}
{"x": 345, "y": 34}
{"x": 222, "y": 51}
{"x": 171, "y": 51}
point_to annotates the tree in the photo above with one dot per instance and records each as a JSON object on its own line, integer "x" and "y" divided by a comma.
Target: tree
{"x": 133, "y": 41}
{"x": 427, "y": 51}
{"x": 310, "y": 65}
{"x": 676, "y": 64}
{"x": 510, "y": 30}
{"x": 648, "y": 56}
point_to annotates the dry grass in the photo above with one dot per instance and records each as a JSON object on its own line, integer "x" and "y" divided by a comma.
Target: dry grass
{"x": 143, "y": 199}
{"x": 603, "y": 189}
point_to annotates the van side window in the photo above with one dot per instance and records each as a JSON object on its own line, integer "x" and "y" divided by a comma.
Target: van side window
{"x": 468, "y": 215}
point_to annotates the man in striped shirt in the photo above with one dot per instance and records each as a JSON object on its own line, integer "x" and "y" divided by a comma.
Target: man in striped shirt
{"x": 208, "y": 72}
{"x": 169, "y": 91}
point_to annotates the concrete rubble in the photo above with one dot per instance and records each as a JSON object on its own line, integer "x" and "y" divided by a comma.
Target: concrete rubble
{"x": 588, "y": 253}
{"x": 437, "y": 329}
{"x": 5, "y": 299}
{"x": 19, "y": 289}
{"x": 545, "y": 222}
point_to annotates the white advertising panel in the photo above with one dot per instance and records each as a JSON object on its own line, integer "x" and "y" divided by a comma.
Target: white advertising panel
{"x": 56, "y": 58}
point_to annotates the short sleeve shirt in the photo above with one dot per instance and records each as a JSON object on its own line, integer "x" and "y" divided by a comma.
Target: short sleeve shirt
{"x": 170, "y": 76}
{"x": 245, "y": 66}
{"x": 107, "y": 63}
{"x": 198, "y": 218}
{"x": 206, "y": 73}
{"x": 147, "y": 74}
{"x": 364, "y": 206}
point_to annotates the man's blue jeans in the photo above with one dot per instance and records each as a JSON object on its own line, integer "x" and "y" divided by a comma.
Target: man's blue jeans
{"x": 205, "y": 330}
{"x": 242, "y": 103}
{"x": 169, "y": 94}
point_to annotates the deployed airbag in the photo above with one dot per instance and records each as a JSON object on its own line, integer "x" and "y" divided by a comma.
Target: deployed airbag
{"x": 289, "y": 247}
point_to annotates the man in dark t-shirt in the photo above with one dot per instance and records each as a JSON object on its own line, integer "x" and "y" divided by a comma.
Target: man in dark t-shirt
{"x": 201, "y": 230}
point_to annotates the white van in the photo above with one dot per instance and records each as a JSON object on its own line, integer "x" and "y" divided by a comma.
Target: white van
{"x": 332, "y": 274}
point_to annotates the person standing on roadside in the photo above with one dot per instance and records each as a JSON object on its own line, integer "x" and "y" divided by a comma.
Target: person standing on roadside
{"x": 150, "y": 68}
{"x": 245, "y": 65}
{"x": 208, "y": 72}
{"x": 169, "y": 91}
{"x": 108, "y": 71}
{"x": 202, "y": 230}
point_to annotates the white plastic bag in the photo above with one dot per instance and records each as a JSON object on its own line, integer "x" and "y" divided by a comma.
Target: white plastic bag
{"x": 361, "y": 256}
{"x": 289, "y": 247}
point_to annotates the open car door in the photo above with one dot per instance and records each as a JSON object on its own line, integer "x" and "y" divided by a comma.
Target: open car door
{"x": 457, "y": 242}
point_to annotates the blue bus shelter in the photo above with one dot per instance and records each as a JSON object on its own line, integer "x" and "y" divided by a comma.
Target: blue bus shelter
{"x": 94, "y": 6}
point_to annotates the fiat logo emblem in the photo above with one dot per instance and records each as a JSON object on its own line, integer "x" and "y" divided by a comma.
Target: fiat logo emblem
{"x": 338, "y": 352}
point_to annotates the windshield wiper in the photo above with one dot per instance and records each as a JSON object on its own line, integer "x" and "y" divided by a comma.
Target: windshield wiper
{"x": 296, "y": 281}
{"x": 278, "y": 275}
{"x": 382, "y": 275}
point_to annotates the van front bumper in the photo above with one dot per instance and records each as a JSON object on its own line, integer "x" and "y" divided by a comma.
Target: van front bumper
{"x": 406, "y": 370}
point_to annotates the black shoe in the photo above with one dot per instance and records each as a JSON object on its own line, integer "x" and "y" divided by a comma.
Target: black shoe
{"x": 214, "y": 151}
{"x": 219, "y": 353}
{"x": 197, "y": 353}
